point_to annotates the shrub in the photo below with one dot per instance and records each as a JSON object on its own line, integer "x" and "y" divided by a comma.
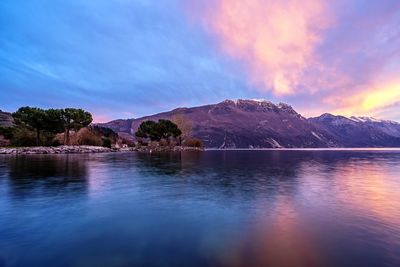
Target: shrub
{"x": 163, "y": 142}
{"x": 4, "y": 141}
{"x": 106, "y": 142}
{"x": 7, "y": 132}
{"x": 129, "y": 143}
{"x": 142, "y": 142}
{"x": 49, "y": 139}
{"x": 86, "y": 137}
{"x": 55, "y": 142}
{"x": 23, "y": 137}
{"x": 193, "y": 142}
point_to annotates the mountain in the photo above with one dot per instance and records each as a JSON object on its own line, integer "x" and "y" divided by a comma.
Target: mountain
{"x": 242, "y": 124}
{"x": 122, "y": 127}
{"x": 6, "y": 120}
{"x": 262, "y": 124}
{"x": 359, "y": 131}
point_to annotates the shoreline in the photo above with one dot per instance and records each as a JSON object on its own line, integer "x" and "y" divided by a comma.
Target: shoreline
{"x": 41, "y": 150}
{"x": 309, "y": 149}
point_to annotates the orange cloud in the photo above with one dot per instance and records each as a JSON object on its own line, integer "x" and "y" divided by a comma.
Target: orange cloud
{"x": 275, "y": 39}
{"x": 368, "y": 101}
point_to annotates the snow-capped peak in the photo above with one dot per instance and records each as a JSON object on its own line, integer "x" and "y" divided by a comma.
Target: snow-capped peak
{"x": 370, "y": 119}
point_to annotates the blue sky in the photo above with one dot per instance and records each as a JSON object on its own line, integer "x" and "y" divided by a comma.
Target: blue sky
{"x": 121, "y": 58}
{"x": 114, "y": 58}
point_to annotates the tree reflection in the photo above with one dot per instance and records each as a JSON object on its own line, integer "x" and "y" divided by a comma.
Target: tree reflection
{"x": 159, "y": 163}
{"x": 46, "y": 174}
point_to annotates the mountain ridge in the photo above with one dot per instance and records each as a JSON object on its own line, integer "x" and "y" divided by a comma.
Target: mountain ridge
{"x": 249, "y": 123}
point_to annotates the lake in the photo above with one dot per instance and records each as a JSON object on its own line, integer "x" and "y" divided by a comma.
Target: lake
{"x": 214, "y": 208}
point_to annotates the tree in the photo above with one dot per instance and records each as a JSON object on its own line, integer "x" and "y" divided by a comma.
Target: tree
{"x": 163, "y": 129}
{"x": 34, "y": 118}
{"x": 54, "y": 121}
{"x": 148, "y": 129}
{"x": 74, "y": 119}
{"x": 167, "y": 129}
{"x": 106, "y": 142}
{"x": 49, "y": 122}
{"x": 184, "y": 124}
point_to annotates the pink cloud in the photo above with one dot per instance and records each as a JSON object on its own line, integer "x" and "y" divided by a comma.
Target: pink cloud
{"x": 336, "y": 56}
{"x": 100, "y": 118}
{"x": 274, "y": 39}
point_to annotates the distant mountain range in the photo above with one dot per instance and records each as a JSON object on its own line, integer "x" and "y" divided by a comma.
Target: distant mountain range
{"x": 262, "y": 124}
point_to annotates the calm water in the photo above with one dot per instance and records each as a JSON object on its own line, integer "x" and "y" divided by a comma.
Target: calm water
{"x": 217, "y": 208}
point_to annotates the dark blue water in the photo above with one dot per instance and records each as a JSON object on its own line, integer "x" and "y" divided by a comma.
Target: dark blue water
{"x": 216, "y": 208}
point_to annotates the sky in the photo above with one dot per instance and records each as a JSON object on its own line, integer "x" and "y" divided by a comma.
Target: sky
{"x": 129, "y": 58}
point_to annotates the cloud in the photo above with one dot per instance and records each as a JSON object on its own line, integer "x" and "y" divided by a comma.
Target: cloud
{"x": 371, "y": 101}
{"x": 319, "y": 55}
{"x": 275, "y": 40}
{"x": 144, "y": 57}
{"x": 140, "y": 57}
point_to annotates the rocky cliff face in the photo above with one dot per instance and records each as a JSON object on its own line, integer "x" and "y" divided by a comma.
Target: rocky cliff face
{"x": 6, "y": 120}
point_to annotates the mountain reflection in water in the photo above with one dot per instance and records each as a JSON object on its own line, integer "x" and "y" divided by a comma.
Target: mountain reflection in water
{"x": 216, "y": 208}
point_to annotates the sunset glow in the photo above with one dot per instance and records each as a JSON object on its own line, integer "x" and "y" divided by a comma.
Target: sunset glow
{"x": 370, "y": 101}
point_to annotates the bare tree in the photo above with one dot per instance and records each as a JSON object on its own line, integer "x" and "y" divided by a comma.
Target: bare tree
{"x": 184, "y": 124}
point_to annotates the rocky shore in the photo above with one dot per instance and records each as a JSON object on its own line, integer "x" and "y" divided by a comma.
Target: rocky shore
{"x": 166, "y": 149}
{"x": 88, "y": 149}
{"x": 55, "y": 150}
